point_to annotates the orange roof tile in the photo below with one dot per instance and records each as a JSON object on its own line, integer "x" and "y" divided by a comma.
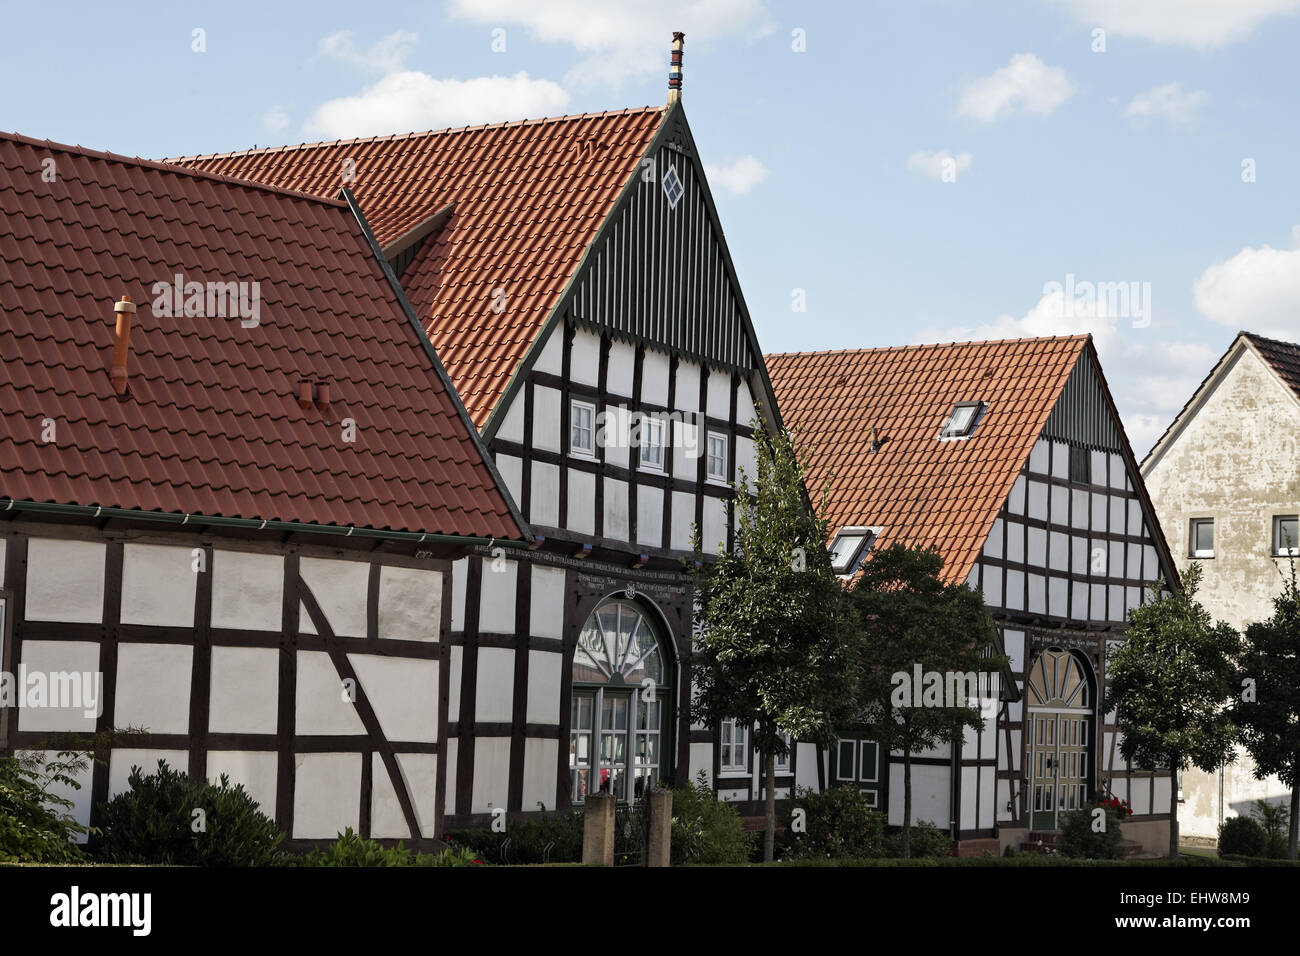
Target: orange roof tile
{"x": 210, "y": 424}
{"x": 529, "y": 198}
{"x": 922, "y": 491}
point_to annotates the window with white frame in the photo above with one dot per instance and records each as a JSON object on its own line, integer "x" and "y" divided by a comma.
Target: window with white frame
{"x": 717, "y": 456}
{"x": 650, "y": 436}
{"x": 849, "y": 547}
{"x": 1286, "y": 535}
{"x": 1202, "y": 538}
{"x": 582, "y": 428}
{"x": 962, "y": 420}
{"x": 734, "y": 751}
{"x": 783, "y": 762}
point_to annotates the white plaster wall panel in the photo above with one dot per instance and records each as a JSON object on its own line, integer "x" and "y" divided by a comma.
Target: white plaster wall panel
{"x": 340, "y": 588}
{"x": 410, "y": 603}
{"x": 584, "y": 357}
{"x": 970, "y": 743}
{"x": 1060, "y": 460}
{"x": 614, "y": 435}
{"x": 969, "y": 803}
{"x": 546, "y": 609}
{"x": 1016, "y": 500}
{"x": 1097, "y": 602}
{"x": 992, "y": 586}
{"x": 323, "y": 705}
{"x": 744, "y": 404}
{"x": 1118, "y": 473}
{"x": 305, "y": 623}
{"x": 257, "y": 770}
{"x": 1115, "y": 559}
{"x": 1060, "y": 505}
{"x": 713, "y": 537}
{"x": 683, "y": 518}
{"x": 1150, "y": 566}
{"x": 805, "y": 766}
{"x": 81, "y": 798}
{"x": 1115, "y": 600}
{"x": 1079, "y": 508}
{"x": 122, "y": 760}
{"x": 622, "y": 368}
{"x": 326, "y": 795}
{"x": 551, "y": 358}
{"x": 719, "y": 395}
{"x": 686, "y": 450}
{"x": 404, "y": 694}
{"x": 993, "y": 545}
{"x": 1037, "y": 594}
{"x": 512, "y": 426}
{"x": 491, "y": 774}
{"x": 453, "y": 682}
{"x": 1099, "y": 512}
{"x": 58, "y": 661}
{"x": 1132, "y": 599}
{"x": 988, "y": 808}
{"x": 546, "y": 418}
{"x": 158, "y": 585}
{"x": 1037, "y": 547}
{"x": 745, "y": 458}
{"x": 1134, "y": 517}
{"x": 496, "y": 611}
{"x": 512, "y": 473}
{"x": 540, "y": 757}
{"x": 1098, "y": 557}
{"x": 686, "y": 395}
{"x": 1058, "y": 552}
{"x": 245, "y": 690}
{"x": 1119, "y": 788}
{"x": 649, "y": 515}
{"x": 1097, "y": 461}
{"x": 582, "y": 502}
{"x": 544, "y": 669}
{"x": 701, "y": 759}
{"x": 1004, "y": 799}
{"x": 732, "y": 795}
{"x": 65, "y": 581}
{"x": 930, "y": 795}
{"x": 449, "y": 774}
{"x": 1079, "y": 559}
{"x": 459, "y": 574}
{"x": 419, "y": 773}
{"x": 544, "y": 504}
{"x": 1164, "y": 787}
{"x": 1015, "y": 542}
{"x": 1079, "y": 601}
{"x": 494, "y": 684}
{"x": 1014, "y": 642}
{"x": 1038, "y": 463}
{"x": 1058, "y": 597}
{"x": 616, "y": 509}
{"x": 153, "y": 687}
{"x": 247, "y": 590}
{"x": 654, "y": 378}
{"x": 1038, "y": 500}
{"x": 386, "y": 818}
{"x": 1140, "y": 796}
{"x": 1133, "y": 561}
{"x": 1118, "y": 514}
{"x": 1015, "y": 590}
{"x": 972, "y": 579}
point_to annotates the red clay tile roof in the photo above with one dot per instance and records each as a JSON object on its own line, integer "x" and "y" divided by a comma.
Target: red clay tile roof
{"x": 1283, "y": 356}
{"x": 529, "y": 198}
{"x": 922, "y": 491}
{"x": 210, "y": 424}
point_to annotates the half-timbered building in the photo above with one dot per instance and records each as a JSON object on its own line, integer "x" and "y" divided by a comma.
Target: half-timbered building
{"x": 233, "y": 479}
{"x": 573, "y": 275}
{"x": 1009, "y": 457}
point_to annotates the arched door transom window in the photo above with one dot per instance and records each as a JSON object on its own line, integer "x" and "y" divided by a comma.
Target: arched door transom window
{"x": 621, "y": 689}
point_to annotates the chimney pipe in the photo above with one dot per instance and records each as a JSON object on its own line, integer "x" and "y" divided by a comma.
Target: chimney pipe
{"x": 122, "y": 345}
{"x": 675, "y": 71}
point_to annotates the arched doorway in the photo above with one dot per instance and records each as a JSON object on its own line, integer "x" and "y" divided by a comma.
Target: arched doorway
{"x": 621, "y": 703}
{"x": 1059, "y": 699}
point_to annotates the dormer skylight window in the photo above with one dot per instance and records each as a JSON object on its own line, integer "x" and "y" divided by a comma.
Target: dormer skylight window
{"x": 850, "y": 547}
{"x": 963, "y": 419}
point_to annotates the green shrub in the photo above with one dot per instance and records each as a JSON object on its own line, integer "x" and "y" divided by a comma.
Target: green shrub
{"x": 550, "y": 838}
{"x": 351, "y": 849}
{"x": 167, "y": 818}
{"x": 1010, "y": 851}
{"x": 837, "y": 823}
{"x": 928, "y": 841}
{"x": 706, "y": 829}
{"x": 35, "y": 825}
{"x": 1081, "y": 839}
{"x": 1242, "y": 836}
{"x": 1275, "y": 818}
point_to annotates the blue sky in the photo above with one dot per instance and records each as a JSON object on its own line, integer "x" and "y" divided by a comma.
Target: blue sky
{"x": 828, "y": 163}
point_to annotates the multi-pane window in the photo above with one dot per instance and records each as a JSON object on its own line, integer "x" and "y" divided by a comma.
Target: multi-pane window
{"x": 734, "y": 751}
{"x": 1286, "y": 535}
{"x": 582, "y": 428}
{"x": 717, "y": 456}
{"x": 1202, "y": 538}
{"x": 651, "y": 438}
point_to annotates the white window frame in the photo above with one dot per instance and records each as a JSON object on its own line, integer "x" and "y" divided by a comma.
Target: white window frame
{"x": 977, "y": 415}
{"x": 575, "y": 449}
{"x": 839, "y": 763}
{"x": 642, "y": 430}
{"x": 1281, "y": 550}
{"x": 739, "y": 739}
{"x": 709, "y": 437}
{"x": 854, "y": 560}
{"x": 1193, "y": 551}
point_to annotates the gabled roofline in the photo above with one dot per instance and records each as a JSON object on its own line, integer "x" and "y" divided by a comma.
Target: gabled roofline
{"x": 421, "y": 230}
{"x": 427, "y": 344}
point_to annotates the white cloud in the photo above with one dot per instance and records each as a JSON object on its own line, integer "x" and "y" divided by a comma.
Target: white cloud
{"x": 385, "y": 55}
{"x": 1257, "y": 290}
{"x": 402, "y": 102}
{"x": 737, "y": 177}
{"x": 1167, "y": 101}
{"x": 275, "y": 120}
{"x": 619, "y": 41}
{"x": 939, "y": 164}
{"x": 1200, "y": 24}
{"x": 1050, "y": 316}
{"x": 1026, "y": 84}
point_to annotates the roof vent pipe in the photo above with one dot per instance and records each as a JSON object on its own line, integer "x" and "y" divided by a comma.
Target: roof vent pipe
{"x": 675, "y": 70}
{"x": 122, "y": 344}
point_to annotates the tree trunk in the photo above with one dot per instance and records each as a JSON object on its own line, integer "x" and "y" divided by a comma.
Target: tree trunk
{"x": 907, "y": 803}
{"x": 1294, "y": 827}
{"x": 1173, "y": 810}
{"x": 769, "y": 807}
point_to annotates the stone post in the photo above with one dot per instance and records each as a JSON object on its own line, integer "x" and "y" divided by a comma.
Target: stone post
{"x": 598, "y": 829}
{"x": 659, "y": 846}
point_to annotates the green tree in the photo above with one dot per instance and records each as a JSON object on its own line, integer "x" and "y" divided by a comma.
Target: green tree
{"x": 914, "y": 620}
{"x": 1172, "y": 684}
{"x": 775, "y": 642}
{"x": 1267, "y": 709}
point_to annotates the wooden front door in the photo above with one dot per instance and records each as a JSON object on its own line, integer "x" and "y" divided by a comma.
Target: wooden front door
{"x": 1058, "y": 768}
